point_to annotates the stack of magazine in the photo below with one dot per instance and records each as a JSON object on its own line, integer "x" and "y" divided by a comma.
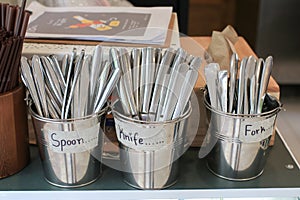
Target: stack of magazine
{"x": 112, "y": 24}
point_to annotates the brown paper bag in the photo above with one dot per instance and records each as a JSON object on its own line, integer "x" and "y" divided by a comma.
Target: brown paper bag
{"x": 222, "y": 46}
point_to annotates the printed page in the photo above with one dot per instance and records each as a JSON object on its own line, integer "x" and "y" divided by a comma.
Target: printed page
{"x": 124, "y": 24}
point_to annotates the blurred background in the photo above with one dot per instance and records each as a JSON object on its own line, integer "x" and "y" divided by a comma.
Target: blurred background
{"x": 271, "y": 27}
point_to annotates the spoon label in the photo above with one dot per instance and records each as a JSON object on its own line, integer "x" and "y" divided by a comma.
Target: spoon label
{"x": 73, "y": 141}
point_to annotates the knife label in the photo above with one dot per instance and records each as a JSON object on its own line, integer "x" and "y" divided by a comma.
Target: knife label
{"x": 144, "y": 137}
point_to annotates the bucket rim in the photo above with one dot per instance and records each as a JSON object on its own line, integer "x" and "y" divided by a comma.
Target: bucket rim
{"x": 123, "y": 117}
{"x": 69, "y": 120}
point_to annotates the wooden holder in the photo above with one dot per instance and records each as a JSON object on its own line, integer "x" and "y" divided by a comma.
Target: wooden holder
{"x": 14, "y": 144}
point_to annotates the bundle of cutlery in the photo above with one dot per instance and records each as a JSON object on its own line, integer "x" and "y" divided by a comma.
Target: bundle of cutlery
{"x": 245, "y": 89}
{"x": 155, "y": 84}
{"x": 79, "y": 86}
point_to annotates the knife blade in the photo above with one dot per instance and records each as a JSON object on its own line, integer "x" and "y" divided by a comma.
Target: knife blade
{"x": 211, "y": 76}
{"x": 136, "y": 71}
{"x": 185, "y": 92}
{"x": 174, "y": 88}
{"x": 163, "y": 69}
{"x": 149, "y": 78}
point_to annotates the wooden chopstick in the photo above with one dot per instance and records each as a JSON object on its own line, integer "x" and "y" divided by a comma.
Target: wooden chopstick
{"x": 13, "y": 25}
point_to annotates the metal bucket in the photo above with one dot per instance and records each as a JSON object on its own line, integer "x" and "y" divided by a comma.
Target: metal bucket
{"x": 70, "y": 149}
{"x": 149, "y": 151}
{"x": 239, "y": 143}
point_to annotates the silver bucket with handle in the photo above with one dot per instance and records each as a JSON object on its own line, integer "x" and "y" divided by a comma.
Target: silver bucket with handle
{"x": 239, "y": 142}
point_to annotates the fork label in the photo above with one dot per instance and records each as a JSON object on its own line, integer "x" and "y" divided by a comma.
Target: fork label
{"x": 256, "y": 130}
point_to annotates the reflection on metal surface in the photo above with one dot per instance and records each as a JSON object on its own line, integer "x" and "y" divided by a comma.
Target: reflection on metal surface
{"x": 150, "y": 164}
{"x": 70, "y": 150}
{"x": 239, "y": 142}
